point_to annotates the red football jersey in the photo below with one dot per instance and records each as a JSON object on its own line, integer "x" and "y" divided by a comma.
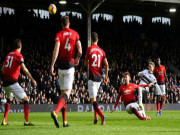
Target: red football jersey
{"x": 95, "y": 56}
{"x": 127, "y": 93}
{"x": 160, "y": 74}
{"x": 67, "y": 38}
{"x": 12, "y": 65}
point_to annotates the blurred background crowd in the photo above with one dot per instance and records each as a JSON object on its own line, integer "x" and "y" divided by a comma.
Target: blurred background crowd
{"x": 128, "y": 46}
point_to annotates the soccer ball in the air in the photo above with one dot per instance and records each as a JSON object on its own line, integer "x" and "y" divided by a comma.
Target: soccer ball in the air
{"x": 52, "y": 9}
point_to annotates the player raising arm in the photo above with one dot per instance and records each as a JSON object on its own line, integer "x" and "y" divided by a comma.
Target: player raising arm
{"x": 127, "y": 92}
{"x": 14, "y": 61}
{"x": 67, "y": 41}
{"x": 96, "y": 58}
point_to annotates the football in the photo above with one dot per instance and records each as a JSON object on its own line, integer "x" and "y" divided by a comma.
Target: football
{"x": 52, "y": 9}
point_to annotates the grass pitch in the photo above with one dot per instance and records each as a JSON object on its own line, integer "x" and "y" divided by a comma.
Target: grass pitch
{"x": 81, "y": 123}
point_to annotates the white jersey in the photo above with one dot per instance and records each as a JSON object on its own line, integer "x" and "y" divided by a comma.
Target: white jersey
{"x": 147, "y": 77}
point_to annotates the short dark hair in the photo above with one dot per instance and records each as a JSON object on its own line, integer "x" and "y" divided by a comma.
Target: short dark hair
{"x": 65, "y": 20}
{"x": 17, "y": 43}
{"x": 94, "y": 36}
{"x": 126, "y": 73}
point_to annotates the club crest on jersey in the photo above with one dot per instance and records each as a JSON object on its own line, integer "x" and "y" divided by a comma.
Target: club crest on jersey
{"x": 127, "y": 91}
{"x": 160, "y": 73}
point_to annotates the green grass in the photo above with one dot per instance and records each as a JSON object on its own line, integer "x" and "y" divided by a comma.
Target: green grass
{"x": 118, "y": 123}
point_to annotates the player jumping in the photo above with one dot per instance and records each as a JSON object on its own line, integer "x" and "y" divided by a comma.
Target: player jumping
{"x": 96, "y": 58}
{"x": 160, "y": 73}
{"x": 14, "y": 61}
{"x": 67, "y": 41}
{"x": 127, "y": 91}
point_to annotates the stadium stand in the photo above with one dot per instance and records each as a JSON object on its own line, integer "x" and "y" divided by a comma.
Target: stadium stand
{"x": 128, "y": 46}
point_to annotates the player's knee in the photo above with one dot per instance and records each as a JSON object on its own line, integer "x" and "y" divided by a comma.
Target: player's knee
{"x": 65, "y": 96}
{"x": 95, "y": 104}
{"x": 67, "y": 92}
{"x": 25, "y": 99}
{"x": 158, "y": 99}
{"x": 133, "y": 109}
{"x": 93, "y": 100}
{"x": 9, "y": 101}
{"x": 162, "y": 100}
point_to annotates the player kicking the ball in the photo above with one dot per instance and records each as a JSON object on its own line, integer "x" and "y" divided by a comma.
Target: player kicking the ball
{"x": 96, "y": 57}
{"x": 127, "y": 91}
{"x": 147, "y": 77}
{"x": 67, "y": 41}
{"x": 14, "y": 61}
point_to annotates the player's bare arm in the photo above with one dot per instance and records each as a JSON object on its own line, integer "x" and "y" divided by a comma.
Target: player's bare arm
{"x": 25, "y": 70}
{"x": 54, "y": 58}
{"x": 79, "y": 49}
{"x": 106, "y": 69}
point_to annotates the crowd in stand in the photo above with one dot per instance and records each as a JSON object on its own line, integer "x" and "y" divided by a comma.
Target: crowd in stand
{"x": 128, "y": 46}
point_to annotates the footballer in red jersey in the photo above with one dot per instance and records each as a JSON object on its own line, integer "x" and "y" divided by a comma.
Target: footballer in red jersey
{"x": 96, "y": 58}
{"x": 13, "y": 62}
{"x": 127, "y": 91}
{"x": 66, "y": 42}
{"x": 160, "y": 73}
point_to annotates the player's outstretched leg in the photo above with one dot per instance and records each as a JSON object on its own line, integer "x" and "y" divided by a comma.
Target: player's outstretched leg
{"x": 65, "y": 124}
{"x": 98, "y": 110}
{"x": 61, "y": 103}
{"x": 26, "y": 114}
{"x": 139, "y": 115}
{"x": 7, "y": 107}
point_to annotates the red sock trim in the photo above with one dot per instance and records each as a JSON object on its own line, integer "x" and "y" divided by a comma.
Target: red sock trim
{"x": 64, "y": 112}
{"x": 7, "y": 107}
{"x": 60, "y": 105}
{"x": 161, "y": 106}
{"x": 158, "y": 106}
{"x": 95, "y": 114}
{"x": 99, "y": 112}
{"x": 26, "y": 111}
